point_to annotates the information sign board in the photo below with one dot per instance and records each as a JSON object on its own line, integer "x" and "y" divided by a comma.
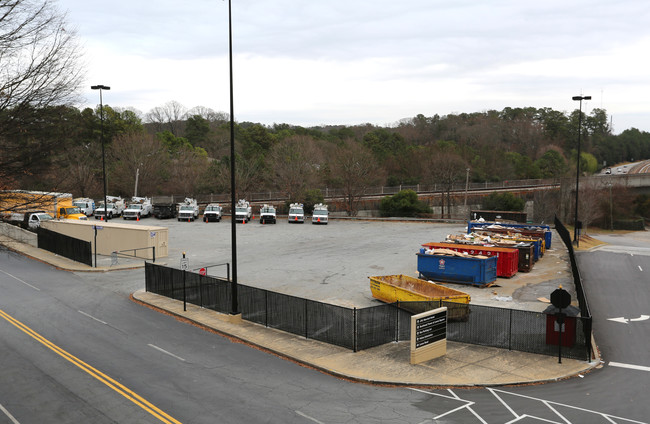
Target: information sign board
{"x": 430, "y": 329}
{"x": 428, "y": 335}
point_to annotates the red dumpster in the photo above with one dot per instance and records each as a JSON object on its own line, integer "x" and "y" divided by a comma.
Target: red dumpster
{"x": 507, "y": 259}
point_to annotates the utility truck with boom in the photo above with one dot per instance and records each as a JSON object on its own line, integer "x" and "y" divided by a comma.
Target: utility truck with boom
{"x": 140, "y": 207}
{"x": 188, "y": 210}
{"x": 243, "y": 211}
{"x": 267, "y": 214}
{"x": 212, "y": 212}
{"x": 114, "y": 208}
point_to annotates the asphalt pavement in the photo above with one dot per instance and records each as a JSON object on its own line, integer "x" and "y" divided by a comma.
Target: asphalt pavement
{"x": 462, "y": 365}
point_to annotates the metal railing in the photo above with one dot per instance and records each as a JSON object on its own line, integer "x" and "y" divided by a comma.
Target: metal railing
{"x": 577, "y": 279}
{"x": 363, "y": 328}
{"x": 123, "y": 254}
{"x": 66, "y": 246}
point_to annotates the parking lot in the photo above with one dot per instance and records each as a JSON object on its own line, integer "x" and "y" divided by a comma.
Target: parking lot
{"x": 332, "y": 263}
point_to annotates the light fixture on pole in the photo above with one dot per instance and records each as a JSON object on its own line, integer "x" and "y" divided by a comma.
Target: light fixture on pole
{"x": 101, "y": 114}
{"x": 234, "y": 307}
{"x": 578, "y": 224}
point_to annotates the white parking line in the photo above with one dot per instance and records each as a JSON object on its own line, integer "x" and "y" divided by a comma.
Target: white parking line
{"x": 526, "y": 416}
{"x": 629, "y": 366}
{"x": 640, "y": 269}
{"x": 302, "y": 414}
{"x": 11, "y": 417}
{"x": 548, "y": 403}
{"x": 18, "y": 279}
{"x": 92, "y": 317}
{"x": 159, "y": 349}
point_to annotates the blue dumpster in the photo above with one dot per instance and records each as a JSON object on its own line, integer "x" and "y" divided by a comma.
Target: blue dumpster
{"x": 543, "y": 230}
{"x": 458, "y": 269}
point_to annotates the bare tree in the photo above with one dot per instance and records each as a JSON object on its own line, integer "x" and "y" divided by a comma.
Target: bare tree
{"x": 84, "y": 170}
{"x": 137, "y": 154}
{"x": 171, "y": 117}
{"x": 40, "y": 69}
{"x": 446, "y": 168}
{"x": 208, "y": 114}
{"x": 354, "y": 168}
{"x": 293, "y": 162}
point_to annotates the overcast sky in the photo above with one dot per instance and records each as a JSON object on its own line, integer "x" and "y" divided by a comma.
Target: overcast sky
{"x": 307, "y": 62}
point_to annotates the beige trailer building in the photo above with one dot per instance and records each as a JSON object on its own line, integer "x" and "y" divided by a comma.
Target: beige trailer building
{"x": 116, "y": 237}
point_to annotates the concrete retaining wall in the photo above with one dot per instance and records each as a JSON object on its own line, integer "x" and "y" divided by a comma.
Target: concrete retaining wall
{"x": 18, "y": 234}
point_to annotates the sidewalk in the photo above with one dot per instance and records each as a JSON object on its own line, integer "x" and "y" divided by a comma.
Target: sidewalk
{"x": 463, "y": 365}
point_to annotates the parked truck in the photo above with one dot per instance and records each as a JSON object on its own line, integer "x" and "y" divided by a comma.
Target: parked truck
{"x": 188, "y": 210}
{"x": 71, "y": 212}
{"x": 58, "y": 205}
{"x": 296, "y": 213}
{"x": 320, "y": 214}
{"x": 164, "y": 207}
{"x": 86, "y": 205}
{"x": 139, "y": 207}
{"x": 212, "y": 212}
{"x": 30, "y": 220}
{"x": 114, "y": 209}
{"x": 267, "y": 214}
{"x": 243, "y": 211}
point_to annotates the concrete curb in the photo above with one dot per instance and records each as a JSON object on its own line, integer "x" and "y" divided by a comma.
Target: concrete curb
{"x": 373, "y": 360}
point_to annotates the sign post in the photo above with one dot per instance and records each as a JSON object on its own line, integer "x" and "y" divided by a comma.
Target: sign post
{"x": 560, "y": 298}
{"x": 428, "y": 335}
{"x": 185, "y": 265}
{"x": 96, "y": 227}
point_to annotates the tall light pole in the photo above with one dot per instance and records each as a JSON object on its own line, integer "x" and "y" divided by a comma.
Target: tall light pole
{"x": 466, "y": 185}
{"x": 611, "y": 208}
{"x": 577, "y": 224}
{"x": 101, "y": 114}
{"x": 234, "y": 307}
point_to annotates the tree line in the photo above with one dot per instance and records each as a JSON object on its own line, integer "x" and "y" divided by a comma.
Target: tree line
{"x": 179, "y": 151}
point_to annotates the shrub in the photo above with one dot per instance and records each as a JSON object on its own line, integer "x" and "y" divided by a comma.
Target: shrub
{"x": 405, "y": 203}
{"x": 503, "y": 202}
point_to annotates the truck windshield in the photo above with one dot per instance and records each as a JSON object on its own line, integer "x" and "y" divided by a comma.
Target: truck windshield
{"x": 71, "y": 211}
{"x": 244, "y": 210}
{"x": 295, "y": 211}
{"x": 186, "y": 208}
{"x": 320, "y": 212}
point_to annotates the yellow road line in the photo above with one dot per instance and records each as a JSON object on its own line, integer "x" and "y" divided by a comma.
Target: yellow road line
{"x": 113, "y": 384}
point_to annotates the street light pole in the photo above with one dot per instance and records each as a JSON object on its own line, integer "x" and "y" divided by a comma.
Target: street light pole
{"x": 234, "y": 307}
{"x": 101, "y": 114}
{"x": 576, "y": 232}
{"x": 611, "y": 208}
{"x": 466, "y": 185}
